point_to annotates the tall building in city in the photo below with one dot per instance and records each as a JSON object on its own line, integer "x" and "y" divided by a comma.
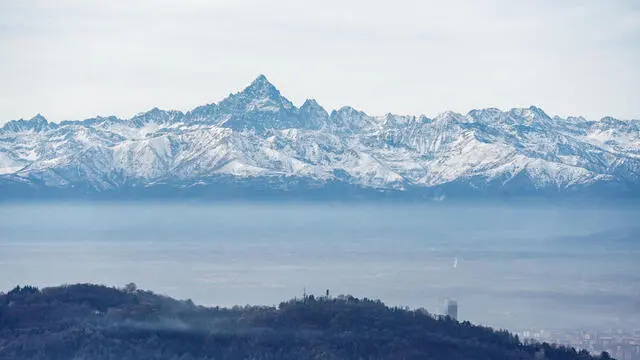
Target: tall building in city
{"x": 452, "y": 309}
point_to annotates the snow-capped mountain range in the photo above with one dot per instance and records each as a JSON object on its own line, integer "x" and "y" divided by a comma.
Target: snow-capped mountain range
{"x": 258, "y": 141}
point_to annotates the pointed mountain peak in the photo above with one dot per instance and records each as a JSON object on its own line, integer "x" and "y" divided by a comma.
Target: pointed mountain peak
{"x": 312, "y": 115}
{"x": 312, "y": 106}
{"x": 538, "y": 111}
{"x": 259, "y": 88}
{"x": 261, "y": 80}
{"x": 261, "y": 85}
{"x": 37, "y": 123}
{"x": 258, "y": 96}
{"x": 39, "y": 118}
{"x": 310, "y": 103}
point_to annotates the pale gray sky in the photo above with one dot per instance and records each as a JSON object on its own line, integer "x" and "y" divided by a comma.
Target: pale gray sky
{"x": 74, "y": 59}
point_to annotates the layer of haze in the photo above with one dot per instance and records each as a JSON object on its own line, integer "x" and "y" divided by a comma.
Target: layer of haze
{"x": 75, "y": 59}
{"x": 515, "y": 265}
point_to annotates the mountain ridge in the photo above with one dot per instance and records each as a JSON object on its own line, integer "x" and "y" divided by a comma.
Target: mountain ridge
{"x": 257, "y": 134}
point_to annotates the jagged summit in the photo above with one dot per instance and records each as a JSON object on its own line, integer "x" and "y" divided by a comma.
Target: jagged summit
{"x": 157, "y": 116}
{"x": 311, "y": 103}
{"x": 259, "y": 106}
{"x": 532, "y": 113}
{"x": 262, "y": 88}
{"x": 261, "y": 82}
{"x": 259, "y": 139}
{"x": 260, "y": 95}
{"x": 37, "y": 123}
{"x": 39, "y": 118}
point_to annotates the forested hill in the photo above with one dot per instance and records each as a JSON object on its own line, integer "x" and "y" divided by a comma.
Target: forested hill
{"x": 97, "y": 322}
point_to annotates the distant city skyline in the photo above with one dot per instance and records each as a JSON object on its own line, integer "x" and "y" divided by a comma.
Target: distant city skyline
{"x": 74, "y": 59}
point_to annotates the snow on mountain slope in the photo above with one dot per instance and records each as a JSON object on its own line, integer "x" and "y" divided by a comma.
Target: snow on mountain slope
{"x": 257, "y": 134}
{"x": 8, "y": 163}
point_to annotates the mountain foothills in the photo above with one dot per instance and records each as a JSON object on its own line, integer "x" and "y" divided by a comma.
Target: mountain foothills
{"x": 257, "y": 142}
{"x": 96, "y": 322}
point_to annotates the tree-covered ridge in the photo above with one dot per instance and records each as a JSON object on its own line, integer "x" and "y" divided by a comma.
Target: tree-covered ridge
{"x": 98, "y": 322}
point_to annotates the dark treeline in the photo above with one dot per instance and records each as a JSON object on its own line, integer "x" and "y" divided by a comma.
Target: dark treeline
{"x": 97, "y": 322}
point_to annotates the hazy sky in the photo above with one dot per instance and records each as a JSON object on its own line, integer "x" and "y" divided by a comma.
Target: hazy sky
{"x": 75, "y": 59}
